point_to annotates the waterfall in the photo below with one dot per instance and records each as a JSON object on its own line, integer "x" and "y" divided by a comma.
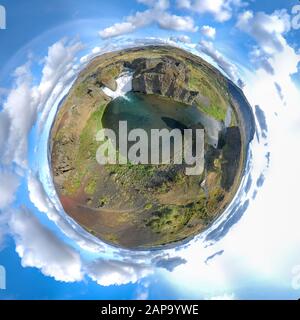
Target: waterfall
{"x": 124, "y": 85}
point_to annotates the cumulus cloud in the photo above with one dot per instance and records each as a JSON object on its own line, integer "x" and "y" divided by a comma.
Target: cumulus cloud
{"x": 26, "y": 100}
{"x": 266, "y": 29}
{"x": 38, "y": 247}
{"x": 58, "y": 63}
{"x": 155, "y": 14}
{"x": 37, "y": 194}
{"x": 117, "y": 29}
{"x": 21, "y": 110}
{"x": 8, "y": 187}
{"x": 208, "y": 32}
{"x": 114, "y": 272}
{"x": 261, "y": 59}
{"x": 4, "y": 128}
{"x": 177, "y": 23}
{"x": 4, "y": 217}
{"x": 181, "y": 38}
{"x": 221, "y": 9}
{"x": 229, "y": 68}
{"x": 59, "y": 70}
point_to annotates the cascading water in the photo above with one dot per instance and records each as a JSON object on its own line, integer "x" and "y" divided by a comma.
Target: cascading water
{"x": 124, "y": 85}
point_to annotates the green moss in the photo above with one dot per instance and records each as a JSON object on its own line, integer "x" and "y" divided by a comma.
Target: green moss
{"x": 81, "y": 89}
{"x": 112, "y": 238}
{"x": 91, "y": 186}
{"x": 167, "y": 220}
{"x": 199, "y": 81}
{"x": 171, "y": 221}
{"x": 148, "y": 206}
{"x": 88, "y": 144}
{"x": 112, "y": 71}
{"x": 214, "y": 111}
{"x": 103, "y": 201}
{"x": 74, "y": 182}
{"x": 135, "y": 172}
{"x": 86, "y": 154}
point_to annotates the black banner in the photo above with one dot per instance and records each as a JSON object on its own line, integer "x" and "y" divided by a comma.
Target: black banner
{"x": 97, "y": 310}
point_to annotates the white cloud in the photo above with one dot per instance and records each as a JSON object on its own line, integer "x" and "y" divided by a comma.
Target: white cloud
{"x": 117, "y": 30}
{"x": 221, "y": 9}
{"x": 20, "y": 108}
{"x": 8, "y": 187}
{"x": 38, "y": 247}
{"x": 266, "y": 29}
{"x": 229, "y": 68}
{"x": 58, "y": 71}
{"x": 4, "y": 217}
{"x": 114, "y": 272}
{"x": 156, "y": 14}
{"x": 25, "y": 100}
{"x": 261, "y": 59}
{"x": 181, "y": 38}
{"x": 184, "y": 4}
{"x": 96, "y": 51}
{"x": 58, "y": 63}
{"x": 208, "y": 31}
{"x": 4, "y": 128}
{"x": 177, "y": 23}
{"x": 37, "y": 194}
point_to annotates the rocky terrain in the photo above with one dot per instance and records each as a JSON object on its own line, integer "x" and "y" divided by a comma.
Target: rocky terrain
{"x": 144, "y": 206}
{"x": 165, "y": 76}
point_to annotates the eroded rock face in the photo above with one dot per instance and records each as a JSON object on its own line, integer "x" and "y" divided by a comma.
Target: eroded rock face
{"x": 166, "y": 76}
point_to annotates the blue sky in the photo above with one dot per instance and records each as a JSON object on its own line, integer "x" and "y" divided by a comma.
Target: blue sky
{"x": 252, "y": 41}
